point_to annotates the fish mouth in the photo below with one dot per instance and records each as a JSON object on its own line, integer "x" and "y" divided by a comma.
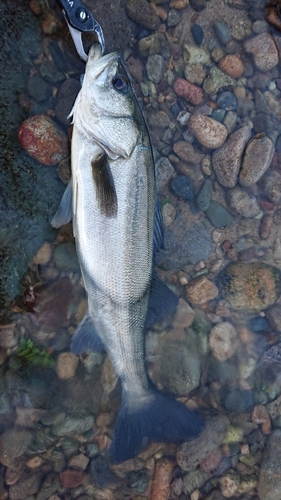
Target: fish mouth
{"x": 97, "y": 63}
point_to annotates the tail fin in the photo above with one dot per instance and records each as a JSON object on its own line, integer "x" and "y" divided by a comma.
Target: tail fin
{"x": 164, "y": 419}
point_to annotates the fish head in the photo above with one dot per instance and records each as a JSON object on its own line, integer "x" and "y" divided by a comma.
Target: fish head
{"x": 108, "y": 107}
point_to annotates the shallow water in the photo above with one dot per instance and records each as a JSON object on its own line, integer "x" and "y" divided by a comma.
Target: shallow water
{"x": 220, "y": 353}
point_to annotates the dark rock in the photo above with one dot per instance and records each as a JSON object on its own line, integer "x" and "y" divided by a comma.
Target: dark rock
{"x": 38, "y": 88}
{"x": 30, "y": 44}
{"x": 227, "y": 101}
{"x": 222, "y": 31}
{"x": 138, "y": 480}
{"x": 142, "y": 13}
{"x": 100, "y": 471}
{"x": 238, "y": 401}
{"x": 198, "y": 5}
{"x": 174, "y": 18}
{"x": 28, "y": 484}
{"x": 273, "y": 315}
{"x": 264, "y": 122}
{"x": 65, "y": 99}
{"x": 218, "y": 114}
{"x": 269, "y": 486}
{"x": 259, "y": 80}
{"x": 197, "y": 33}
{"x": 218, "y": 215}
{"x": 203, "y": 198}
{"x": 50, "y": 73}
{"x": 58, "y": 56}
{"x": 182, "y": 186}
{"x": 258, "y": 324}
{"x": 50, "y": 485}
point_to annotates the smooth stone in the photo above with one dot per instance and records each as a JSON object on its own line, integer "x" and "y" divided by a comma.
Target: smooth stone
{"x": 153, "y": 44}
{"x": 257, "y": 158}
{"x": 192, "y": 453}
{"x": 239, "y": 401}
{"x": 263, "y": 50}
{"x": 27, "y": 486}
{"x": 66, "y": 365}
{"x": 186, "y": 152}
{"x": 143, "y": 13}
{"x": 218, "y": 114}
{"x": 71, "y": 478}
{"x": 227, "y": 159}
{"x": 216, "y": 80}
{"x": 174, "y": 17}
{"x": 38, "y": 88}
{"x": 223, "y": 340}
{"x": 243, "y": 203}
{"x": 273, "y": 315}
{"x": 272, "y": 186}
{"x": 73, "y": 424}
{"x": 218, "y": 215}
{"x": 194, "y": 480}
{"x": 160, "y": 119}
{"x": 182, "y": 186}
{"x": 207, "y": 131}
{"x": 49, "y": 72}
{"x": 155, "y": 68}
{"x": 227, "y": 100}
{"x": 232, "y": 66}
{"x": 269, "y": 485}
{"x": 241, "y": 28}
{"x": 198, "y": 5}
{"x": 41, "y": 137}
{"x": 200, "y": 290}
{"x": 189, "y": 91}
{"x": 13, "y": 443}
{"x": 65, "y": 257}
{"x": 222, "y": 32}
{"x": 253, "y": 286}
{"x": 50, "y": 485}
{"x": 197, "y": 33}
{"x": 258, "y": 324}
{"x": 203, "y": 198}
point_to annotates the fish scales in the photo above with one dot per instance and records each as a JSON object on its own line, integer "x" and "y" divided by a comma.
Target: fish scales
{"x": 117, "y": 228}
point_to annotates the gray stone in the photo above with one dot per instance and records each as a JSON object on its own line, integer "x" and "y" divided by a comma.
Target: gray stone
{"x": 65, "y": 99}
{"x": 49, "y": 72}
{"x": 272, "y": 186}
{"x": 155, "y": 68}
{"x": 257, "y": 158}
{"x": 203, "y": 198}
{"x": 227, "y": 159}
{"x": 13, "y": 443}
{"x": 73, "y": 424}
{"x": 269, "y": 486}
{"x": 194, "y": 480}
{"x": 218, "y": 215}
{"x": 164, "y": 173}
{"x": 50, "y": 485}
{"x": 192, "y": 453}
{"x": 222, "y": 31}
{"x": 38, "y": 89}
{"x": 244, "y": 204}
{"x": 174, "y": 18}
{"x": 142, "y": 13}
{"x": 28, "y": 484}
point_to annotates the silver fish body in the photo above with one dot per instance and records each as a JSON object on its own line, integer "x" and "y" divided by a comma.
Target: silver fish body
{"x": 113, "y": 211}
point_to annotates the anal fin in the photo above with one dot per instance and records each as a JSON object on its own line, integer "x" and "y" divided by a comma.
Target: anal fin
{"x": 86, "y": 338}
{"x": 162, "y": 302}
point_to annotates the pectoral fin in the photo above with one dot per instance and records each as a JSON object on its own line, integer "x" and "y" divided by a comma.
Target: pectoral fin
{"x": 105, "y": 190}
{"x": 64, "y": 212}
{"x": 162, "y": 302}
{"x": 86, "y": 338}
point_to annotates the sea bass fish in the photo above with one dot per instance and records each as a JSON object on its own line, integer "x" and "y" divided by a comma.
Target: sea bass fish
{"x": 118, "y": 227}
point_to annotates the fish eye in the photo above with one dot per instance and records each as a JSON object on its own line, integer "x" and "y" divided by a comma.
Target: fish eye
{"x": 120, "y": 83}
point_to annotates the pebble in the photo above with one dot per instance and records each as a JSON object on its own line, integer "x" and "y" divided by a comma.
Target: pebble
{"x": 222, "y": 32}
{"x": 190, "y": 92}
{"x": 168, "y": 213}
{"x": 257, "y": 158}
{"x": 164, "y": 173}
{"x": 229, "y": 483}
{"x": 241, "y": 28}
{"x": 232, "y": 66}
{"x": 216, "y": 80}
{"x": 197, "y": 33}
{"x": 211, "y": 462}
{"x": 49, "y": 72}
{"x": 263, "y": 50}
{"x": 187, "y": 152}
{"x": 182, "y": 186}
{"x": 192, "y": 453}
{"x": 66, "y": 366}
{"x": 265, "y": 226}
{"x": 203, "y": 198}
{"x": 198, "y": 5}
{"x": 65, "y": 99}
{"x": 43, "y": 255}
{"x": 8, "y": 336}
{"x": 195, "y": 73}
{"x": 194, "y": 480}
{"x": 242, "y": 202}
{"x": 73, "y": 424}
{"x": 27, "y": 485}
{"x": 223, "y": 340}
{"x": 78, "y": 461}
{"x": 238, "y": 400}
{"x": 50, "y": 485}
{"x": 152, "y": 44}
{"x": 174, "y": 17}
{"x": 218, "y": 215}
{"x": 226, "y": 160}
{"x": 269, "y": 485}
{"x": 227, "y": 101}
{"x": 201, "y": 290}
{"x": 195, "y": 55}
{"x": 13, "y": 443}
{"x": 272, "y": 186}
{"x": 273, "y": 315}
{"x": 159, "y": 119}
{"x": 38, "y": 89}
{"x": 253, "y": 286}
{"x": 43, "y": 140}
{"x": 143, "y": 13}
{"x": 155, "y": 68}
{"x": 207, "y": 131}
{"x": 71, "y": 478}
{"x": 162, "y": 479}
